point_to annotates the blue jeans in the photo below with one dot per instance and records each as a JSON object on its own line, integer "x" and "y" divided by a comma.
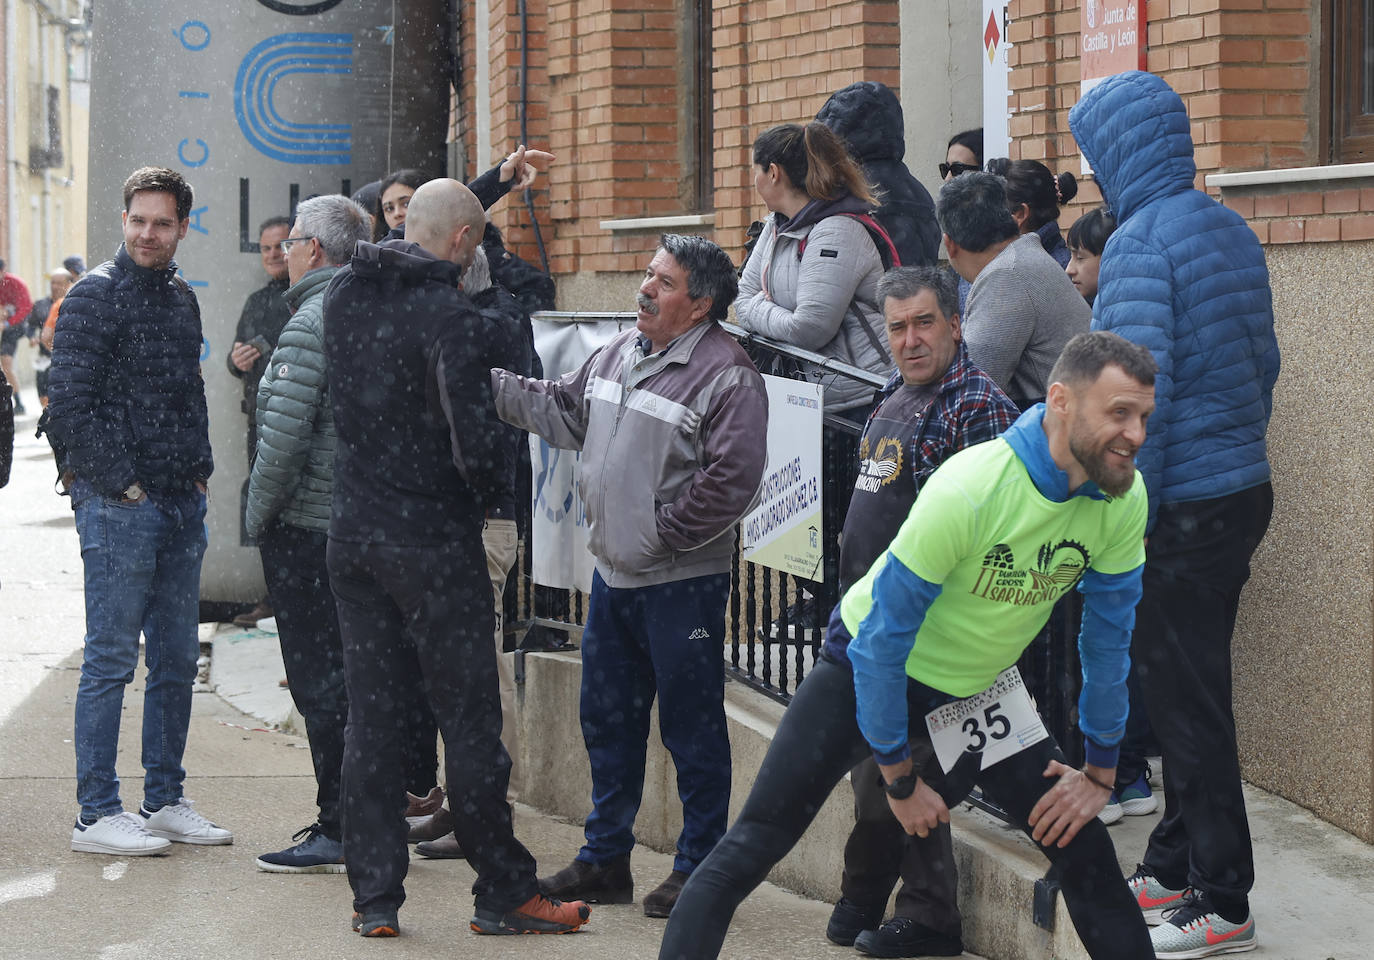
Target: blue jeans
{"x": 665, "y": 640}
{"x": 142, "y": 574}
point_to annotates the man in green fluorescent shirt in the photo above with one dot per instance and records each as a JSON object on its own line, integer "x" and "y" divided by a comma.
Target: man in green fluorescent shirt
{"x": 998, "y": 533}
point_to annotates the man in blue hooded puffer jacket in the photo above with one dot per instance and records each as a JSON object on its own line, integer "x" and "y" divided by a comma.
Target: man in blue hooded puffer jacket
{"x": 1185, "y": 277}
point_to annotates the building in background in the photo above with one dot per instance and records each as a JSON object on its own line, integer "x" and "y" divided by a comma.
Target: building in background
{"x": 46, "y": 111}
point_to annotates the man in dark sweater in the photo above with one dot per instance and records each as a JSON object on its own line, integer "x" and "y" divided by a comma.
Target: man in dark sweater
{"x": 406, "y": 562}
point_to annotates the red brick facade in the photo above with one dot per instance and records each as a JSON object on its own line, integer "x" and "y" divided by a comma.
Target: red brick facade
{"x": 1248, "y": 71}
{"x": 606, "y": 95}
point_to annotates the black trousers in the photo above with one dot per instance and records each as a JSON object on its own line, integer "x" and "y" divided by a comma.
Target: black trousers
{"x": 817, "y": 741}
{"x": 293, "y": 563}
{"x": 879, "y": 852}
{"x": 1198, "y": 560}
{"x": 427, "y": 612}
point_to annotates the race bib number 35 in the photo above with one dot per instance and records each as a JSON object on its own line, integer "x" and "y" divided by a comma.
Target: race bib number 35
{"x": 998, "y": 723}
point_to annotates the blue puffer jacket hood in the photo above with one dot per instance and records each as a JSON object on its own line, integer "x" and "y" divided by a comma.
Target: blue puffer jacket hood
{"x": 1185, "y": 277}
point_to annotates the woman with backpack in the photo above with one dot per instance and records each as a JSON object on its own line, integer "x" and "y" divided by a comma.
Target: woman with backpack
{"x": 812, "y": 278}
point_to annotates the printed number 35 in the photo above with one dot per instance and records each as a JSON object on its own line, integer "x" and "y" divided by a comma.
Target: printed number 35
{"x": 997, "y": 725}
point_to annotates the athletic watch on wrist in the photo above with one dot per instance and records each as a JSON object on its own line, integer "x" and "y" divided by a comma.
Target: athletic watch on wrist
{"x": 901, "y": 788}
{"x": 135, "y": 492}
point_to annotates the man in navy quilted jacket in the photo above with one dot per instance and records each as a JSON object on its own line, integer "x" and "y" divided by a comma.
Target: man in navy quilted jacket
{"x": 127, "y": 402}
{"x": 1185, "y": 277}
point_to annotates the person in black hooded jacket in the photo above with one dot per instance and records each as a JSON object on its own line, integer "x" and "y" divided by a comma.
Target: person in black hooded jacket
{"x": 868, "y": 117}
{"x": 406, "y": 564}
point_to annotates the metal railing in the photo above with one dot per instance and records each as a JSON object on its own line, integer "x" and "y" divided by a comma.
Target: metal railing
{"x": 774, "y": 635}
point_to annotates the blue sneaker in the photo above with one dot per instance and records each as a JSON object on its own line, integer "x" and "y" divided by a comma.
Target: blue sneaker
{"x": 317, "y": 853}
{"x": 1137, "y": 800}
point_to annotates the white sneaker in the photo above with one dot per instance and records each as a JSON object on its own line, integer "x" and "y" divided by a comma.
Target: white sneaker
{"x": 181, "y": 823}
{"x": 120, "y": 834}
{"x": 268, "y": 624}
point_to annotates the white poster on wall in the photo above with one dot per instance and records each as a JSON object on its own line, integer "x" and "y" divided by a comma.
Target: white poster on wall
{"x": 996, "y": 80}
{"x": 558, "y": 526}
{"x": 784, "y": 530}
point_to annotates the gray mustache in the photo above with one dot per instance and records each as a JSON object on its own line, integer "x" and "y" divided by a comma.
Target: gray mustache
{"x": 645, "y": 304}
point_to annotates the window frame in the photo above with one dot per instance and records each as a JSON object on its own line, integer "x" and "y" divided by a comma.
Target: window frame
{"x": 1351, "y": 63}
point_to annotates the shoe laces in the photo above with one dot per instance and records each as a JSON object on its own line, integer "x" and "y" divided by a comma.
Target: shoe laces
{"x": 1142, "y": 872}
{"x": 1190, "y": 912}
{"x": 189, "y": 812}
{"x": 128, "y": 823}
{"x": 309, "y": 833}
{"x": 897, "y": 925}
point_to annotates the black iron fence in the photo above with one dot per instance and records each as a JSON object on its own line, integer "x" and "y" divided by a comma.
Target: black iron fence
{"x": 775, "y": 622}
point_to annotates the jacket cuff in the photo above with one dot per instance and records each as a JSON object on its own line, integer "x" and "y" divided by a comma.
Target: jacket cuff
{"x": 1100, "y": 756}
{"x": 888, "y": 757}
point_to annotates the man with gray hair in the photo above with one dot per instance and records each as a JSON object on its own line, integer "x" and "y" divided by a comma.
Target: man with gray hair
{"x": 1022, "y": 307}
{"x": 670, "y": 418}
{"x": 289, "y": 495}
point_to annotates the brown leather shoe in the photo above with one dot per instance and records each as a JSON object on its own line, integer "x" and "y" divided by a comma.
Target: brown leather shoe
{"x": 445, "y": 848}
{"x": 432, "y": 827}
{"x": 250, "y": 619}
{"x": 426, "y": 805}
{"x": 659, "y": 902}
{"x": 608, "y": 882}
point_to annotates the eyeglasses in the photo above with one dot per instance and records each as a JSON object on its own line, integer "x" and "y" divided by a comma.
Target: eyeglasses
{"x": 286, "y": 244}
{"x": 957, "y": 169}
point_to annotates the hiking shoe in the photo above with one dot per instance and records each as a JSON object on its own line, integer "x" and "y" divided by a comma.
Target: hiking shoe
{"x": 538, "y": 914}
{"x": 849, "y": 919}
{"x": 380, "y": 924}
{"x": 1153, "y": 897}
{"x": 1196, "y": 930}
{"x": 902, "y": 937}
{"x": 1137, "y": 800}
{"x": 608, "y": 882}
{"x": 120, "y": 834}
{"x": 317, "y": 853}
{"x": 181, "y": 823}
{"x": 659, "y": 902}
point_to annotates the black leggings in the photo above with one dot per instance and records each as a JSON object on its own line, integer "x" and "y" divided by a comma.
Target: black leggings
{"x": 816, "y": 742}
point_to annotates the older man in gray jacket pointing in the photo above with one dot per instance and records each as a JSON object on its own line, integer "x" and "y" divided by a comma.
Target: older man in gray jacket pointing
{"x": 670, "y": 419}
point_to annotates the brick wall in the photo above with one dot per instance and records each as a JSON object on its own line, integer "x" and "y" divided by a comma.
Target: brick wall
{"x": 606, "y": 82}
{"x": 1247, "y": 72}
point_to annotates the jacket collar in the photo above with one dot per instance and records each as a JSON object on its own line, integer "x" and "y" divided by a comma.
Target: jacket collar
{"x": 145, "y": 275}
{"x": 313, "y": 282}
{"x": 1032, "y": 447}
{"x": 678, "y": 350}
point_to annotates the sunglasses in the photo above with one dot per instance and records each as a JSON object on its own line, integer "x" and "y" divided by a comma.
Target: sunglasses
{"x": 957, "y": 169}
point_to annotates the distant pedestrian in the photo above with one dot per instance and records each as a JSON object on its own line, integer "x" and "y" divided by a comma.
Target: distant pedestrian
{"x": 1034, "y": 196}
{"x": 128, "y": 406}
{"x": 15, "y": 303}
{"x": 669, "y": 417}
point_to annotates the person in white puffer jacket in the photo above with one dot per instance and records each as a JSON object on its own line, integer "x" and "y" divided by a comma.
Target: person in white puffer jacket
{"x": 812, "y": 278}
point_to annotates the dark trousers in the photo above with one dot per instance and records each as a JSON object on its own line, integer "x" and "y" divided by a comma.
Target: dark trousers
{"x": 665, "y": 639}
{"x": 1198, "y": 560}
{"x": 293, "y": 564}
{"x": 879, "y": 852}
{"x": 816, "y": 742}
{"x": 423, "y": 611}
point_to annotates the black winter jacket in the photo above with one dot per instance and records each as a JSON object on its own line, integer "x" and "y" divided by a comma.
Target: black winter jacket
{"x": 395, "y": 480}
{"x": 126, "y": 397}
{"x": 868, "y": 116}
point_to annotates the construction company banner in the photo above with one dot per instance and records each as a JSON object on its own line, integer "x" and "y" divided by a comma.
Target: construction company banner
{"x": 996, "y": 80}
{"x": 1112, "y": 41}
{"x": 558, "y": 527}
{"x": 784, "y": 531}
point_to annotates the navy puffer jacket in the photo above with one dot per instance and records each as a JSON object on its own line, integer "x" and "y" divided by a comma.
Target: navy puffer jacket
{"x": 125, "y": 393}
{"x": 1185, "y": 277}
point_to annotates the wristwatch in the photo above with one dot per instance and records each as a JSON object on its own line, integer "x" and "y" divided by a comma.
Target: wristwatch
{"x": 901, "y": 788}
{"x": 134, "y": 492}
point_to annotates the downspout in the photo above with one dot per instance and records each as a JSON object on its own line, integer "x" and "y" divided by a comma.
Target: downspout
{"x": 524, "y": 126}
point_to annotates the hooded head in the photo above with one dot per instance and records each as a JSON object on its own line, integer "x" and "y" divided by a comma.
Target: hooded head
{"x": 1133, "y": 131}
{"x": 868, "y": 118}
